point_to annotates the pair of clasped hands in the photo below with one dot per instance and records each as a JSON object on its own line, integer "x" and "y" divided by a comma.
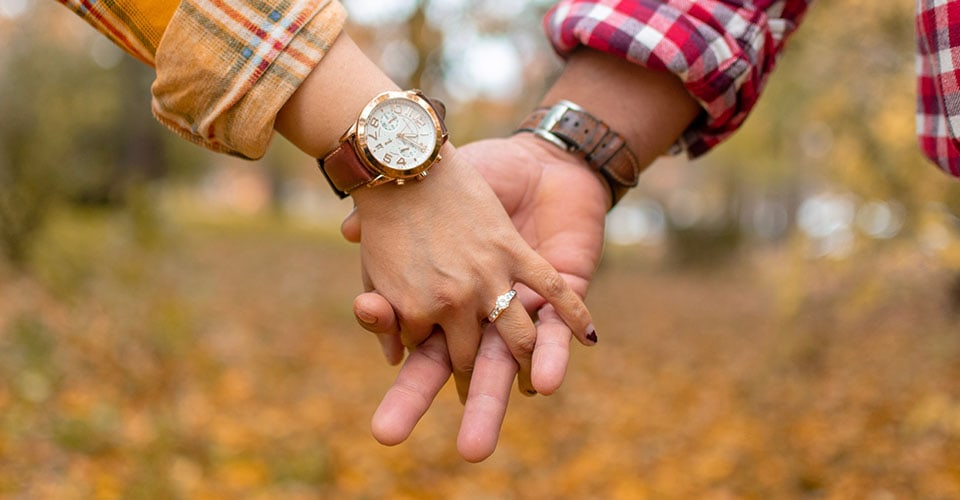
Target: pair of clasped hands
{"x": 494, "y": 215}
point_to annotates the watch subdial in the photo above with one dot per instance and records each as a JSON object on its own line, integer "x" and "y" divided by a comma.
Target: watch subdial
{"x": 390, "y": 121}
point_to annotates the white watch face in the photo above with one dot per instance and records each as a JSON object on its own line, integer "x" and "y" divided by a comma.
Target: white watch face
{"x": 400, "y": 134}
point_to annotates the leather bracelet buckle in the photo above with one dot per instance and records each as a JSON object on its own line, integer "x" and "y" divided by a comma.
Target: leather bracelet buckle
{"x": 544, "y": 129}
{"x": 574, "y": 130}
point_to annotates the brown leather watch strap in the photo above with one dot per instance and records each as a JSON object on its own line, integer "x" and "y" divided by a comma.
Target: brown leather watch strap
{"x": 344, "y": 170}
{"x": 569, "y": 127}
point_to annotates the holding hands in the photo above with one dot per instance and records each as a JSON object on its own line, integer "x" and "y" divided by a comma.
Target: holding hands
{"x": 558, "y": 207}
{"x": 499, "y": 222}
{"x": 440, "y": 257}
{"x": 442, "y": 251}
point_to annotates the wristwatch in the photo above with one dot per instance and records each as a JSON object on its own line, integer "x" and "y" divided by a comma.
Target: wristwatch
{"x": 397, "y": 137}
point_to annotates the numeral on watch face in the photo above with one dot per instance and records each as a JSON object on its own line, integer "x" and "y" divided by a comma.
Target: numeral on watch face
{"x": 400, "y": 134}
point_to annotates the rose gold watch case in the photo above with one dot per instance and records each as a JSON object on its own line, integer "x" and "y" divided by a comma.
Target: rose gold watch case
{"x": 385, "y": 172}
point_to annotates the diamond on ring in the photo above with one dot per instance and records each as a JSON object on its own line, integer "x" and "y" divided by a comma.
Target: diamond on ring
{"x": 503, "y": 302}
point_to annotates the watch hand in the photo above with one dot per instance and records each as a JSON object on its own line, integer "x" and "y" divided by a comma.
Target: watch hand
{"x": 407, "y": 140}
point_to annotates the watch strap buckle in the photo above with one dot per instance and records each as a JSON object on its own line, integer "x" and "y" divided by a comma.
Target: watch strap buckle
{"x": 572, "y": 129}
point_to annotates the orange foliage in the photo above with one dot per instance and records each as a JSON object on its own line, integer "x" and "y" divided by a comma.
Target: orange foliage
{"x": 226, "y": 364}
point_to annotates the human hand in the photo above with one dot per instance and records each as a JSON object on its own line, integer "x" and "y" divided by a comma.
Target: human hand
{"x": 422, "y": 376}
{"x": 558, "y": 206}
{"x": 442, "y": 250}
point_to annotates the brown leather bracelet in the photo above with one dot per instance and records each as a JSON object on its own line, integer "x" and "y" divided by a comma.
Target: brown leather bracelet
{"x": 572, "y": 129}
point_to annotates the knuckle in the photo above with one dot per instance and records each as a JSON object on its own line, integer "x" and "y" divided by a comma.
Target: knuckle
{"x": 448, "y": 298}
{"x": 414, "y": 318}
{"x": 525, "y": 344}
{"x": 464, "y": 366}
{"x": 485, "y": 398}
{"x": 403, "y": 307}
{"x": 553, "y": 283}
{"x": 496, "y": 357}
{"x": 409, "y": 339}
{"x": 424, "y": 309}
{"x": 410, "y": 391}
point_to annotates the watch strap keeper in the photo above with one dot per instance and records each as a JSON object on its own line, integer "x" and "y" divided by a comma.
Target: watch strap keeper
{"x": 569, "y": 127}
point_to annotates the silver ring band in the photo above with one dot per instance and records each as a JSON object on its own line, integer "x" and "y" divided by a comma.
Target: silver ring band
{"x": 503, "y": 302}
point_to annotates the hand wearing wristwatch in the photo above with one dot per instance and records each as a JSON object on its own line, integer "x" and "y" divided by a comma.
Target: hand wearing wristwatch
{"x": 572, "y": 129}
{"x": 397, "y": 137}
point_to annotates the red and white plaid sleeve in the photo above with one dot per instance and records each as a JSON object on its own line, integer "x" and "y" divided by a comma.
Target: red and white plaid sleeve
{"x": 938, "y": 82}
{"x": 722, "y": 50}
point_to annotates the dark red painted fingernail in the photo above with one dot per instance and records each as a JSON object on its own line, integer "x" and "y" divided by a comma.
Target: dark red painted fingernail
{"x": 592, "y": 336}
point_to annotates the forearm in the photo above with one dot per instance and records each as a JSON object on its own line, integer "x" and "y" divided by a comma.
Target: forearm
{"x": 722, "y": 50}
{"x": 330, "y": 98}
{"x": 650, "y": 109}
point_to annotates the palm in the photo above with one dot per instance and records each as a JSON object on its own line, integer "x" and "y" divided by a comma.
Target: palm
{"x": 556, "y": 204}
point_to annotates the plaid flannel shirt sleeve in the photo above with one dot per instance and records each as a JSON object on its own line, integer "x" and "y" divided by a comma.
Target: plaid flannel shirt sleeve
{"x": 224, "y": 67}
{"x": 938, "y": 82}
{"x": 722, "y": 50}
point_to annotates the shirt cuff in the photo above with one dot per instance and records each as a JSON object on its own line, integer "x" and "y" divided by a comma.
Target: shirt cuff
{"x": 722, "y": 51}
{"x": 225, "y": 68}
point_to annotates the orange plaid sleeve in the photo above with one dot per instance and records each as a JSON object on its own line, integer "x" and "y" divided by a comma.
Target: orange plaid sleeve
{"x": 224, "y": 67}
{"x": 134, "y": 25}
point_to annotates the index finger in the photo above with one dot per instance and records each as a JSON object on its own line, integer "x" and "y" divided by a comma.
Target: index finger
{"x": 543, "y": 279}
{"x": 420, "y": 379}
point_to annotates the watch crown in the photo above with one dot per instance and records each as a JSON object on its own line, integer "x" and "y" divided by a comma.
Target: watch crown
{"x": 400, "y": 182}
{"x": 424, "y": 173}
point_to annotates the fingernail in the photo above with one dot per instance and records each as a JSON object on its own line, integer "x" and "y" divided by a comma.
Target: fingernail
{"x": 592, "y": 335}
{"x": 366, "y": 317}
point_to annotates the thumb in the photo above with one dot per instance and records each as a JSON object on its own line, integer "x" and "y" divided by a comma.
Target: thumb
{"x": 350, "y": 227}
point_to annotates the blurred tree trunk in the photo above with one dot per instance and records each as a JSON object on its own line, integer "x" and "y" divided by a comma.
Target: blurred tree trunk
{"x": 142, "y": 154}
{"x": 29, "y": 181}
{"x": 141, "y": 159}
{"x": 427, "y": 40}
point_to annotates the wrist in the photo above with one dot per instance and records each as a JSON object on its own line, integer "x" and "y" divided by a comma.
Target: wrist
{"x": 571, "y": 129}
{"x": 329, "y": 99}
{"x": 541, "y": 152}
{"x": 442, "y": 177}
{"x": 650, "y": 109}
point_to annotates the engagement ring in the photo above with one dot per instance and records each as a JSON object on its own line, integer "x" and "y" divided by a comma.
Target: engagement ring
{"x": 503, "y": 302}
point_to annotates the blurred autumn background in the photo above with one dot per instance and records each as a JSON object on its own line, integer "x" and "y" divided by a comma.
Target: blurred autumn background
{"x": 779, "y": 319}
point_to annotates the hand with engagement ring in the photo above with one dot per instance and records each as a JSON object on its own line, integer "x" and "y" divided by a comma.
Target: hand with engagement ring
{"x": 435, "y": 272}
{"x": 535, "y": 185}
{"x": 558, "y": 206}
{"x": 439, "y": 250}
